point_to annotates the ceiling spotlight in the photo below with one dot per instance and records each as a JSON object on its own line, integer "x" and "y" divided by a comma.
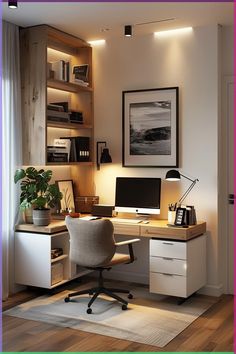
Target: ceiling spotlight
{"x": 128, "y": 31}
{"x": 12, "y": 4}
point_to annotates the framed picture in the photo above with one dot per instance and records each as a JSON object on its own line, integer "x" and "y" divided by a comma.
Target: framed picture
{"x": 150, "y": 127}
{"x": 67, "y": 203}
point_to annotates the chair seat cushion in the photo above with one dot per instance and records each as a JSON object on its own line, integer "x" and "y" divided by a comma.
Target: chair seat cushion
{"x": 119, "y": 258}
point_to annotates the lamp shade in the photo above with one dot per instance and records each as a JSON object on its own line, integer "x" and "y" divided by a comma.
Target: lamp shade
{"x": 12, "y": 4}
{"x": 173, "y": 175}
{"x": 105, "y": 156}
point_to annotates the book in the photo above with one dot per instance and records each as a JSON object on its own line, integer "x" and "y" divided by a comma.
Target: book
{"x": 55, "y": 107}
{"x": 59, "y": 67}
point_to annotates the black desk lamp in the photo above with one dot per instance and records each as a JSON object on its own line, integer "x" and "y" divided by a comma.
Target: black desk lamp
{"x": 174, "y": 175}
{"x": 103, "y": 155}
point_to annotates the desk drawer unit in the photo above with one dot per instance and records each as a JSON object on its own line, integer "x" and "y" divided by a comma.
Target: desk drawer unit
{"x": 177, "y": 268}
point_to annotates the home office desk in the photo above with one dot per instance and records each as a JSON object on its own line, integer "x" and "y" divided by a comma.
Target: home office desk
{"x": 177, "y": 256}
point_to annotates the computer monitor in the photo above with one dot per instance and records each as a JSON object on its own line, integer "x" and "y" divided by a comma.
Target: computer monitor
{"x": 138, "y": 195}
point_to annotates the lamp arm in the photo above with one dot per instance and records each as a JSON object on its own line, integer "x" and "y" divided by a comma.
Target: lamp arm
{"x": 192, "y": 180}
{"x": 188, "y": 190}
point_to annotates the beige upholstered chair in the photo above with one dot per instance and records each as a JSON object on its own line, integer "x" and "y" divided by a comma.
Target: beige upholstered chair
{"x": 92, "y": 245}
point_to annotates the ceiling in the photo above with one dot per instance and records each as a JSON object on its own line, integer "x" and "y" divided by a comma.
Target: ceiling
{"x": 87, "y": 20}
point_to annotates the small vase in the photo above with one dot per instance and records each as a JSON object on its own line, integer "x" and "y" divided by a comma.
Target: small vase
{"x": 28, "y": 215}
{"x": 41, "y": 217}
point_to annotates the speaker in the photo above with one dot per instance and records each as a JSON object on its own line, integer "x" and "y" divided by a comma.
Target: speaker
{"x": 102, "y": 210}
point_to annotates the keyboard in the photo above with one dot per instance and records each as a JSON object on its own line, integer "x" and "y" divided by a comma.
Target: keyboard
{"x": 126, "y": 221}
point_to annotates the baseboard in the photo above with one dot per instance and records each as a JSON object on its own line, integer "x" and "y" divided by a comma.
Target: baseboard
{"x": 212, "y": 290}
{"x": 127, "y": 276}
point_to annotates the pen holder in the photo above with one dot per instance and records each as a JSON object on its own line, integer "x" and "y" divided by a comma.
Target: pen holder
{"x": 171, "y": 217}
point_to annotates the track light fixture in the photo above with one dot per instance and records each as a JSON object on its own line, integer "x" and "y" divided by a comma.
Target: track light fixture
{"x": 128, "y": 31}
{"x": 12, "y": 4}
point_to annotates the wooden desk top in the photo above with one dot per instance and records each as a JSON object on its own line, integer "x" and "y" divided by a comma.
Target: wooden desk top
{"x": 155, "y": 228}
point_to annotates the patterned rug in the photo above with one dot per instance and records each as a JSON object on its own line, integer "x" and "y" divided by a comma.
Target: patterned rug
{"x": 150, "y": 319}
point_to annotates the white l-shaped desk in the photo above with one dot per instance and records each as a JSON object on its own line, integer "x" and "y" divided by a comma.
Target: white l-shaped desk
{"x": 177, "y": 256}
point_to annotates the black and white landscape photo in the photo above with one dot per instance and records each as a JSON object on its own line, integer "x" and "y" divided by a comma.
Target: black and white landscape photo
{"x": 150, "y": 128}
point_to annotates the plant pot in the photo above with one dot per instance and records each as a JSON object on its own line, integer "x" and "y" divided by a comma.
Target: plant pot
{"x": 41, "y": 217}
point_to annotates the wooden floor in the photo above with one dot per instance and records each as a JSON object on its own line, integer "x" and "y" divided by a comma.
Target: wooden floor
{"x": 213, "y": 331}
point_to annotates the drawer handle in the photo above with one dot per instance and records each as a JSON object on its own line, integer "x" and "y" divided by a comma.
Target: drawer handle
{"x": 168, "y": 243}
{"x": 167, "y": 258}
{"x": 169, "y": 275}
{"x": 152, "y": 232}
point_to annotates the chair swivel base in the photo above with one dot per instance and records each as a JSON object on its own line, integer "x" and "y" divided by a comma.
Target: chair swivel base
{"x": 102, "y": 290}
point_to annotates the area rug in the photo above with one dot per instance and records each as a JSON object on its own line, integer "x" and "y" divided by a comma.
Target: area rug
{"x": 150, "y": 318}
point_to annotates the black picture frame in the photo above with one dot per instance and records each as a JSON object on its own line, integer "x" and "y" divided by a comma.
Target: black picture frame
{"x": 150, "y": 127}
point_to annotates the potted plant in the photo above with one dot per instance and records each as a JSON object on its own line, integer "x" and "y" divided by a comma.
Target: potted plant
{"x": 36, "y": 191}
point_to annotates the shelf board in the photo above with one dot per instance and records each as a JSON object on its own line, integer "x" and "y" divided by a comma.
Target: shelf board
{"x": 67, "y": 86}
{"x": 63, "y": 256}
{"x": 64, "y": 125}
{"x": 89, "y": 163}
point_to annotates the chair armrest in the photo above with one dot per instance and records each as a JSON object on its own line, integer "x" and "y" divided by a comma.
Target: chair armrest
{"x": 129, "y": 243}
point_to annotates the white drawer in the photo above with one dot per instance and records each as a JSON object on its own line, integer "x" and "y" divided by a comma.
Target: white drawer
{"x": 172, "y": 249}
{"x": 175, "y": 285}
{"x": 168, "y": 265}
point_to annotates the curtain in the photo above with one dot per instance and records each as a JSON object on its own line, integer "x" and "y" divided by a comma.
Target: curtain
{"x": 11, "y": 149}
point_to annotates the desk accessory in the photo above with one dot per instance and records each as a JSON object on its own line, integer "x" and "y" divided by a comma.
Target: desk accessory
{"x": 84, "y": 203}
{"x": 180, "y": 217}
{"x": 102, "y": 210}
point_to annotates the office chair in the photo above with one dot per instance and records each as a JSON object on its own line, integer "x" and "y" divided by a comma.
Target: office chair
{"x": 92, "y": 245}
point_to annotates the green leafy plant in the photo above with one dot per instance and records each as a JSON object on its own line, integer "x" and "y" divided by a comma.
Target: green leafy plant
{"x": 35, "y": 188}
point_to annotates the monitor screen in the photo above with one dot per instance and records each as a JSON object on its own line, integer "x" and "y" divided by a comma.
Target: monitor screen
{"x": 138, "y": 195}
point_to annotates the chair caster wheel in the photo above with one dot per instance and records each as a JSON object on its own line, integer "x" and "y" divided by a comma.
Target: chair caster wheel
{"x": 67, "y": 299}
{"x": 89, "y": 310}
{"x": 130, "y": 296}
{"x": 124, "y": 307}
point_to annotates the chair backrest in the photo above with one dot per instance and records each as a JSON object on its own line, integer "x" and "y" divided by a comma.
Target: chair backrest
{"x": 92, "y": 243}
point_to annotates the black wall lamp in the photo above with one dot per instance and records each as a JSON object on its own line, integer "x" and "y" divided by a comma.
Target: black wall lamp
{"x": 128, "y": 31}
{"x": 12, "y": 4}
{"x": 174, "y": 175}
{"x": 103, "y": 155}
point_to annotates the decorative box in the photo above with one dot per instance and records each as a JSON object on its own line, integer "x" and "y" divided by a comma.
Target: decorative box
{"x": 84, "y": 204}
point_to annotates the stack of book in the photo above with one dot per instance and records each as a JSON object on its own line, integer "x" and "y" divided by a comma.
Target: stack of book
{"x": 55, "y": 112}
{"x": 59, "y": 151}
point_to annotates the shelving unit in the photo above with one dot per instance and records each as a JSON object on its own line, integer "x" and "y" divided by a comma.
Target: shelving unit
{"x": 33, "y": 263}
{"x": 41, "y": 45}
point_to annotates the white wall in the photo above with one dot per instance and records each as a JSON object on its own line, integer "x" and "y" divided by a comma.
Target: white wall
{"x": 189, "y": 61}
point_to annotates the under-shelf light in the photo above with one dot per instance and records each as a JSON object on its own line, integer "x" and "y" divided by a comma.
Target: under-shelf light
{"x": 97, "y": 42}
{"x": 173, "y": 32}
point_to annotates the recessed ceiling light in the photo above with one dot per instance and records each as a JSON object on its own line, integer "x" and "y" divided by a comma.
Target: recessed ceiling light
{"x": 128, "y": 31}
{"x": 173, "y": 32}
{"x": 105, "y": 29}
